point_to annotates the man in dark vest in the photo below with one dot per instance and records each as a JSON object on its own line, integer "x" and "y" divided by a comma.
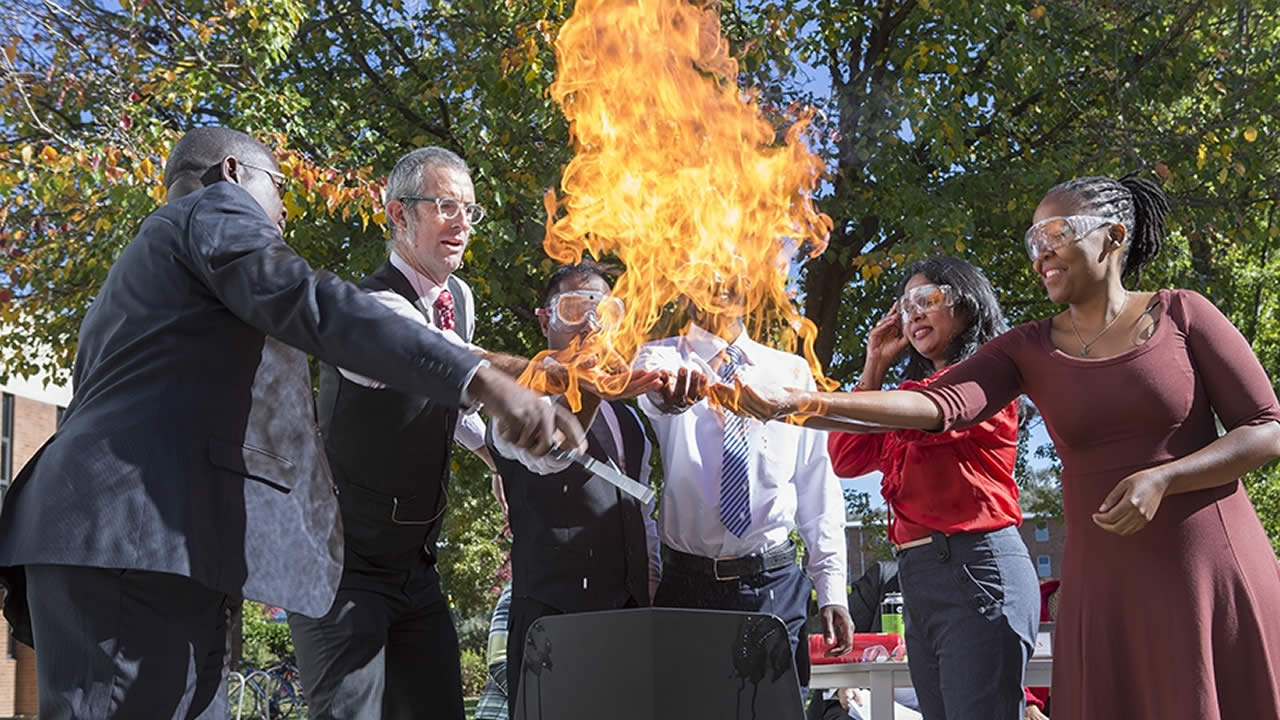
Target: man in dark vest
{"x": 578, "y": 543}
{"x": 387, "y": 647}
{"x": 187, "y": 471}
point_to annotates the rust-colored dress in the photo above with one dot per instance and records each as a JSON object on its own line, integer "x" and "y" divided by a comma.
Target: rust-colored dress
{"x": 1181, "y": 619}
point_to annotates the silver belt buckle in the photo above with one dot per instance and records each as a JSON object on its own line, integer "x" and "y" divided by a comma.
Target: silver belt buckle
{"x": 715, "y": 570}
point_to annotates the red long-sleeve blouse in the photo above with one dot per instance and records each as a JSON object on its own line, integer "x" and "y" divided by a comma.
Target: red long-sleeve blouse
{"x": 955, "y": 481}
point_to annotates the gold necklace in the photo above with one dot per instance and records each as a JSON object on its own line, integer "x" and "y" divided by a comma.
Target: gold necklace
{"x": 1084, "y": 346}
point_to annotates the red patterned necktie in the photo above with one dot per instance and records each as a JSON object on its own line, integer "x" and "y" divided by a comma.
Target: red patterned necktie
{"x": 444, "y": 310}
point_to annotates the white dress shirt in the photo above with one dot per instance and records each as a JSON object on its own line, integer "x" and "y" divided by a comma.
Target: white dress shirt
{"x": 791, "y": 480}
{"x": 470, "y": 428}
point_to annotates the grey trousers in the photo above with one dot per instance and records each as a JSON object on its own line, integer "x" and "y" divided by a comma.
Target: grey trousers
{"x": 972, "y": 604}
{"x": 125, "y": 644}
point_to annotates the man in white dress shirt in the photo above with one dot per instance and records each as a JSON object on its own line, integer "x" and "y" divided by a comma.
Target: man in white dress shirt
{"x": 387, "y": 648}
{"x": 734, "y": 489}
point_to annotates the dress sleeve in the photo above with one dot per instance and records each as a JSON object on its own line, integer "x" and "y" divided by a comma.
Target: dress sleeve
{"x": 982, "y": 385}
{"x": 1237, "y": 386}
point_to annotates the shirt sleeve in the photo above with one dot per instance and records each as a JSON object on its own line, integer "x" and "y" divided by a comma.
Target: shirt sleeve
{"x": 855, "y": 454}
{"x": 397, "y": 303}
{"x": 239, "y": 255}
{"x": 469, "y": 433}
{"x": 820, "y": 516}
{"x": 1237, "y": 386}
{"x": 981, "y": 386}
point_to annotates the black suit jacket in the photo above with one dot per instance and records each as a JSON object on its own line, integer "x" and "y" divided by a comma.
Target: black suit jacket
{"x": 190, "y": 445}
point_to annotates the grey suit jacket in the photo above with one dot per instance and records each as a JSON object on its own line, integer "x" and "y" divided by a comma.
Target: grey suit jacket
{"x": 190, "y": 445}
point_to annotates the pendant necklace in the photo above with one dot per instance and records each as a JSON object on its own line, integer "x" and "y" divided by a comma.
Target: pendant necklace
{"x": 1084, "y": 346}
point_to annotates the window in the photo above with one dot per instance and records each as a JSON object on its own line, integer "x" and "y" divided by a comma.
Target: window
{"x": 1042, "y": 532}
{"x": 1044, "y": 565}
{"x": 6, "y": 444}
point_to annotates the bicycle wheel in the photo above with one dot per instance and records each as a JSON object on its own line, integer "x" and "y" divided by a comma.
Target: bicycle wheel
{"x": 282, "y": 700}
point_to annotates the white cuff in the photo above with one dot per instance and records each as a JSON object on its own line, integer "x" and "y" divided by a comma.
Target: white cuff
{"x": 545, "y": 465}
{"x": 831, "y": 590}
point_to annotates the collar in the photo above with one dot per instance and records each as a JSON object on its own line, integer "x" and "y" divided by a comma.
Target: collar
{"x": 708, "y": 345}
{"x": 426, "y": 288}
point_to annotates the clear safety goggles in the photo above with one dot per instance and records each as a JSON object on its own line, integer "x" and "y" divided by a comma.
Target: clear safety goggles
{"x": 925, "y": 298}
{"x": 1056, "y": 233}
{"x": 572, "y": 309}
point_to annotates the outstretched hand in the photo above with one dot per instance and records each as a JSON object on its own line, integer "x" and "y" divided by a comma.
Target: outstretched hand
{"x": 638, "y": 382}
{"x": 761, "y": 402}
{"x": 680, "y": 390}
{"x": 522, "y": 418}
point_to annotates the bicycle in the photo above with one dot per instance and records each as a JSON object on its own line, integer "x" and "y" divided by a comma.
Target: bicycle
{"x": 271, "y": 694}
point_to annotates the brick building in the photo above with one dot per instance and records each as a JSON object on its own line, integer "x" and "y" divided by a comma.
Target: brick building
{"x": 1045, "y": 539}
{"x": 29, "y": 413}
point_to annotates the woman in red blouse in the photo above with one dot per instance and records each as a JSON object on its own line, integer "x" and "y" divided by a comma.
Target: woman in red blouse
{"x": 970, "y": 590}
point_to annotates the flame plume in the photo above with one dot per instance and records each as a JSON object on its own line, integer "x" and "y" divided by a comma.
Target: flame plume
{"x": 678, "y": 175}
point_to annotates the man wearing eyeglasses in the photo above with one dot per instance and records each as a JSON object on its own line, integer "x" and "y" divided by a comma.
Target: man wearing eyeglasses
{"x": 187, "y": 472}
{"x": 578, "y": 544}
{"x": 387, "y": 647}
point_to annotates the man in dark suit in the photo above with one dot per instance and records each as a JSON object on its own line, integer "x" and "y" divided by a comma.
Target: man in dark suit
{"x": 578, "y": 544}
{"x": 188, "y": 471}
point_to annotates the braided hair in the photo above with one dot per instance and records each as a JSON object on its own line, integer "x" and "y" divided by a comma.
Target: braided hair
{"x": 1140, "y": 205}
{"x": 975, "y": 299}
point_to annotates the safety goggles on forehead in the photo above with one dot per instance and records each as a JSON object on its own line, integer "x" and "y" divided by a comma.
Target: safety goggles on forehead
{"x": 925, "y": 298}
{"x": 1055, "y": 233}
{"x": 572, "y": 309}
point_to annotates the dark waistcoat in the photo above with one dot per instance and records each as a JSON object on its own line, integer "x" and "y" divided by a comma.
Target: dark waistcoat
{"x": 389, "y": 452}
{"x": 578, "y": 543}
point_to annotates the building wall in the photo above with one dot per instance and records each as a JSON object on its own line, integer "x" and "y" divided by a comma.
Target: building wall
{"x": 35, "y": 417}
{"x": 1050, "y": 548}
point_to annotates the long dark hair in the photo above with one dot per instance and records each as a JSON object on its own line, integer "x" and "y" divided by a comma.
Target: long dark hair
{"x": 975, "y": 298}
{"x": 1140, "y": 205}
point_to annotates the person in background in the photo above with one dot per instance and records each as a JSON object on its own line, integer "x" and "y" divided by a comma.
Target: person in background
{"x": 866, "y": 596}
{"x": 493, "y": 699}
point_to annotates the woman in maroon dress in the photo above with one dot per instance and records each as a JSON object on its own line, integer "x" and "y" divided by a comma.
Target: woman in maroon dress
{"x": 1171, "y": 591}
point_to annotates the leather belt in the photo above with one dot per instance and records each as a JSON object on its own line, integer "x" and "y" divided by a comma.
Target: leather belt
{"x": 731, "y": 568}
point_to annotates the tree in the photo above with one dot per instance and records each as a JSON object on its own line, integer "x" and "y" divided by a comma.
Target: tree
{"x": 941, "y": 123}
{"x": 948, "y": 120}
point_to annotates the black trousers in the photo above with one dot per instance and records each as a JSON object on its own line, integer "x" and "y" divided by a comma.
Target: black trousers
{"x": 126, "y": 644}
{"x": 387, "y": 649}
{"x": 783, "y": 592}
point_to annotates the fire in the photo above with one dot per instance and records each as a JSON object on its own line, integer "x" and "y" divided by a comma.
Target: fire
{"x": 677, "y": 174}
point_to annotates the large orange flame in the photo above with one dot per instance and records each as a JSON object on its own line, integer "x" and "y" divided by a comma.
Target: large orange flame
{"x": 677, "y": 174}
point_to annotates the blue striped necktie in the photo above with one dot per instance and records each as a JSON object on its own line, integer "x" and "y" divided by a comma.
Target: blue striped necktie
{"x": 735, "y": 491}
